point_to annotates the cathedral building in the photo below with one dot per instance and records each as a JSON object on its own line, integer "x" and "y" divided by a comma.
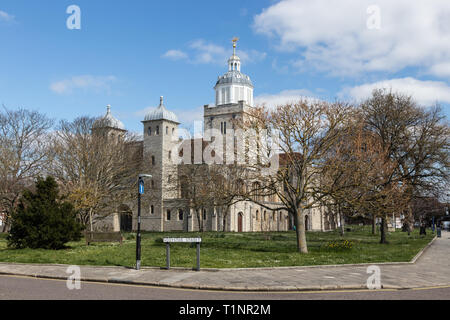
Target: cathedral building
{"x": 165, "y": 204}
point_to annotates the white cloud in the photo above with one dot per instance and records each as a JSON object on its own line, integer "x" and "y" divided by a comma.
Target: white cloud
{"x": 335, "y": 38}
{"x": 441, "y": 69}
{"x": 84, "y": 82}
{"x": 286, "y": 96}
{"x": 175, "y": 55}
{"x": 425, "y": 93}
{"x": 4, "y": 16}
{"x": 203, "y": 52}
{"x": 209, "y": 53}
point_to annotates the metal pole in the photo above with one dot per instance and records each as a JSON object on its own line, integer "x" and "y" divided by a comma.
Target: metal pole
{"x": 198, "y": 256}
{"x": 168, "y": 256}
{"x": 138, "y": 237}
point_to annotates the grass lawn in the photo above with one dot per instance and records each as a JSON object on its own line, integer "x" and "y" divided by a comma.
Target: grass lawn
{"x": 228, "y": 250}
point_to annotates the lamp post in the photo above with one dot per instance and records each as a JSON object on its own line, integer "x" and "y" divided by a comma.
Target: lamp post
{"x": 138, "y": 237}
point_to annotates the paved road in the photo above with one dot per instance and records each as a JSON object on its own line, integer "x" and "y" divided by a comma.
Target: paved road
{"x": 20, "y": 288}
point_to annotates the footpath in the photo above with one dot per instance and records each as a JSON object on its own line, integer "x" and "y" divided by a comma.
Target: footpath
{"x": 430, "y": 268}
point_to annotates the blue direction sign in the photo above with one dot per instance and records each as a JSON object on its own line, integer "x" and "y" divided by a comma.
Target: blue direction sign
{"x": 141, "y": 187}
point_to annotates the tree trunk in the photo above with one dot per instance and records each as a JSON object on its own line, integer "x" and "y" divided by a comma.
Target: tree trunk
{"x": 5, "y": 224}
{"x": 374, "y": 224}
{"x": 342, "y": 221}
{"x": 197, "y": 215}
{"x": 299, "y": 220}
{"x": 90, "y": 220}
{"x": 224, "y": 219}
{"x": 383, "y": 230}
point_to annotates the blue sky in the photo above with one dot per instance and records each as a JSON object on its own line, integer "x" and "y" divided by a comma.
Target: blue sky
{"x": 128, "y": 53}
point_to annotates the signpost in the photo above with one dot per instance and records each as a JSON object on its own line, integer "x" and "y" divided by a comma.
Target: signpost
{"x": 168, "y": 241}
{"x": 138, "y": 236}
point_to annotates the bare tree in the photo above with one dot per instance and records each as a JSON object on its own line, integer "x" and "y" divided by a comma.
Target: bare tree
{"x": 197, "y": 188}
{"x": 307, "y": 130}
{"x": 413, "y": 144}
{"x": 24, "y": 154}
{"x": 227, "y": 188}
{"x": 96, "y": 167}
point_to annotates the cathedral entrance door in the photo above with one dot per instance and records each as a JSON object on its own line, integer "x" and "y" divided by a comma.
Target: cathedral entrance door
{"x": 126, "y": 222}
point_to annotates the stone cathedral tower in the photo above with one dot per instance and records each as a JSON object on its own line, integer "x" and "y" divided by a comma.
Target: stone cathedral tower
{"x": 234, "y": 97}
{"x": 160, "y": 137}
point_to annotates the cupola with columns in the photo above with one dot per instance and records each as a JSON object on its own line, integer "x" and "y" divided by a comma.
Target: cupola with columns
{"x": 234, "y": 86}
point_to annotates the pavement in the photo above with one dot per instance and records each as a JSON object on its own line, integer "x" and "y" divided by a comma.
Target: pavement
{"x": 430, "y": 268}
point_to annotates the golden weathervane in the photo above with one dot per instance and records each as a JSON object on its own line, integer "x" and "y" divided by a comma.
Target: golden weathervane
{"x": 235, "y": 39}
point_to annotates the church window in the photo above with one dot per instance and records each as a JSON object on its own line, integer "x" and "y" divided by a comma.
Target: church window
{"x": 180, "y": 215}
{"x": 204, "y": 214}
{"x": 149, "y": 131}
{"x": 153, "y": 160}
{"x": 257, "y": 215}
{"x": 152, "y": 209}
{"x": 265, "y": 215}
{"x": 168, "y": 215}
{"x": 157, "y": 130}
{"x": 167, "y": 130}
{"x": 173, "y": 131}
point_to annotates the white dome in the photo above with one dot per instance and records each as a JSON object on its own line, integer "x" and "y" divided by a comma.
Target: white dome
{"x": 161, "y": 113}
{"x": 108, "y": 121}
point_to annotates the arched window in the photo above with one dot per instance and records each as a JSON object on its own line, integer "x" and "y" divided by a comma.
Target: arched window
{"x": 149, "y": 130}
{"x": 157, "y": 130}
{"x": 152, "y": 209}
{"x": 256, "y": 191}
{"x": 180, "y": 215}
{"x": 173, "y": 131}
{"x": 167, "y": 130}
{"x": 257, "y": 215}
{"x": 204, "y": 214}
{"x": 168, "y": 215}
